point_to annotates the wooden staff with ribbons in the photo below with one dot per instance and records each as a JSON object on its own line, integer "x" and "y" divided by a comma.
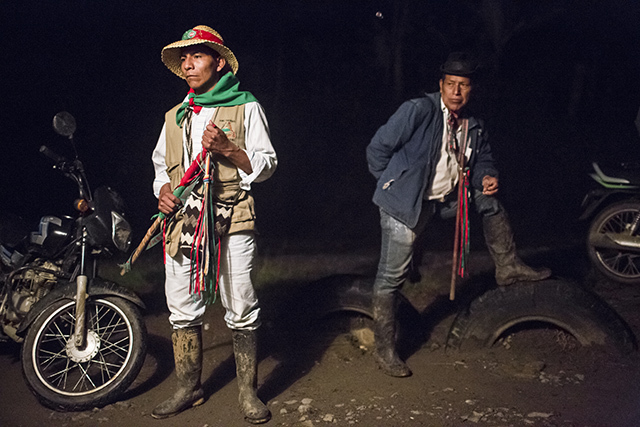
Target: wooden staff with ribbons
{"x": 194, "y": 171}
{"x": 461, "y": 237}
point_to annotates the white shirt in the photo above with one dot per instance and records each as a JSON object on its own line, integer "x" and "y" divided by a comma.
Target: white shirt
{"x": 257, "y": 142}
{"x": 446, "y": 175}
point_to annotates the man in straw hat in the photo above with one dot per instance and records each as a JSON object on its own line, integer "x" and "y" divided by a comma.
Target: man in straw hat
{"x": 429, "y": 148}
{"x": 230, "y": 125}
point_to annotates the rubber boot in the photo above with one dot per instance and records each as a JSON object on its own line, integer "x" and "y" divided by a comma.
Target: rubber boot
{"x": 385, "y": 354}
{"x": 509, "y": 268}
{"x": 245, "y": 352}
{"x": 187, "y": 352}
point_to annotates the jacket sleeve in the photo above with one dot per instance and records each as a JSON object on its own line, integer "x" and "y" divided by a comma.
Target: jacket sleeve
{"x": 391, "y": 136}
{"x": 259, "y": 149}
{"x": 159, "y": 165}
{"x": 484, "y": 164}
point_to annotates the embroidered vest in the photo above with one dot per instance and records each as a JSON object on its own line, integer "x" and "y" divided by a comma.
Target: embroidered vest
{"x": 226, "y": 179}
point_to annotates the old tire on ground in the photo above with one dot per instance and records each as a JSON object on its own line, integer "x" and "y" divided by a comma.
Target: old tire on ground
{"x": 351, "y": 293}
{"x": 344, "y": 302}
{"x": 557, "y": 302}
{"x": 343, "y": 292}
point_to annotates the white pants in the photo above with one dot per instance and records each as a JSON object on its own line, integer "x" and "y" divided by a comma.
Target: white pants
{"x": 235, "y": 290}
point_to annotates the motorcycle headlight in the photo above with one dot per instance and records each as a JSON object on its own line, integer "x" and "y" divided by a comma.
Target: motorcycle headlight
{"x": 120, "y": 232}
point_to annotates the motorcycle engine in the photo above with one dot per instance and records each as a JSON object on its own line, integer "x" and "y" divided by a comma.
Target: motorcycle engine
{"x": 28, "y": 287}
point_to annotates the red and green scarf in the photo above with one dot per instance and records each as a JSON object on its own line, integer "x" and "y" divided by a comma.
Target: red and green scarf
{"x": 224, "y": 94}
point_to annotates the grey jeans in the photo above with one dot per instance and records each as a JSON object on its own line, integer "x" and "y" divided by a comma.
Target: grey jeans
{"x": 398, "y": 240}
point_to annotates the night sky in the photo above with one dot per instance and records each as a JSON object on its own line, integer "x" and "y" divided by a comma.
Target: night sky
{"x": 560, "y": 87}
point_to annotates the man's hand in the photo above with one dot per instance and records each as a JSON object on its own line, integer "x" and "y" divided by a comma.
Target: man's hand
{"x": 489, "y": 185}
{"x": 215, "y": 141}
{"x": 167, "y": 202}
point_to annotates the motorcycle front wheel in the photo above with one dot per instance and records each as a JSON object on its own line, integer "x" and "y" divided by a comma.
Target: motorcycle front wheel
{"x": 67, "y": 378}
{"x": 620, "y": 265}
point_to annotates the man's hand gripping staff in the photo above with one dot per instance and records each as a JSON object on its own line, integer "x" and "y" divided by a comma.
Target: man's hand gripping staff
{"x": 169, "y": 202}
{"x": 168, "y": 205}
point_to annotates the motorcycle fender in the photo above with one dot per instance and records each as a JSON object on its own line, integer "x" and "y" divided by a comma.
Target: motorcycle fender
{"x": 595, "y": 200}
{"x": 97, "y": 287}
{"x": 591, "y": 202}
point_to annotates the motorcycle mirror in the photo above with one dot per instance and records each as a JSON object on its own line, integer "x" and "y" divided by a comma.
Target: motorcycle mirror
{"x": 64, "y": 124}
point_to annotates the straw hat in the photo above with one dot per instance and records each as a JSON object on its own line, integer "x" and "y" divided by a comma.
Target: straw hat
{"x": 200, "y": 34}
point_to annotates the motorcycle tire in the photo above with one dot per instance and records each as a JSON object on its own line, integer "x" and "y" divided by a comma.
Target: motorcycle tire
{"x": 562, "y": 304}
{"x": 66, "y": 378}
{"x": 618, "y": 265}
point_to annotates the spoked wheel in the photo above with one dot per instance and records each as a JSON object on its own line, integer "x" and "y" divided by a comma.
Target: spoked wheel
{"x": 619, "y": 265}
{"x": 65, "y": 377}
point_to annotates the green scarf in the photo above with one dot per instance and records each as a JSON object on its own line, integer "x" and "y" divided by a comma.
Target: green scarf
{"x": 224, "y": 94}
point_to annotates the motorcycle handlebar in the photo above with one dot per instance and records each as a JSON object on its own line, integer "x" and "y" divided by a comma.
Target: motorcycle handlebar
{"x": 73, "y": 170}
{"x": 45, "y": 151}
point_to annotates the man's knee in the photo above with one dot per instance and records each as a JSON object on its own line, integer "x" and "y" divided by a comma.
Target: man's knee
{"x": 247, "y": 318}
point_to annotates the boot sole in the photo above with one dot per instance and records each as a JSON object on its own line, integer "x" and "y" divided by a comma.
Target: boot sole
{"x": 163, "y": 416}
{"x": 400, "y": 373}
{"x": 512, "y": 281}
{"x": 258, "y": 420}
{"x": 403, "y": 374}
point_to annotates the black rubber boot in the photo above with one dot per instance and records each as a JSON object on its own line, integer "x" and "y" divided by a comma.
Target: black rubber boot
{"x": 509, "y": 268}
{"x": 187, "y": 352}
{"x": 245, "y": 351}
{"x": 385, "y": 354}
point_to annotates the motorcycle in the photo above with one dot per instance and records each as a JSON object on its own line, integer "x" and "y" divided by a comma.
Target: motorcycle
{"x": 83, "y": 338}
{"x": 613, "y": 207}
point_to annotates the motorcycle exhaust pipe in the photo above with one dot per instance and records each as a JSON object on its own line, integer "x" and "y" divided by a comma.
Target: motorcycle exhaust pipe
{"x": 617, "y": 241}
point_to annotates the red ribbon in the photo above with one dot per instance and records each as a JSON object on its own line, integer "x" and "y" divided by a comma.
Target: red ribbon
{"x": 192, "y": 103}
{"x": 204, "y": 35}
{"x": 463, "y": 206}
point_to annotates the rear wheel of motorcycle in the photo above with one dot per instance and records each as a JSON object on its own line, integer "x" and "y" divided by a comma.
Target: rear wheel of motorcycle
{"x": 66, "y": 378}
{"x": 618, "y": 265}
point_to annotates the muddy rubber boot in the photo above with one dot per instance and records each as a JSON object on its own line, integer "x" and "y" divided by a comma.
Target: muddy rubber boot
{"x": 509, "y": 268}
{"x": 385, "y": 354}
{"x": 187, "y": 353}
{"x": 245, "y": 352}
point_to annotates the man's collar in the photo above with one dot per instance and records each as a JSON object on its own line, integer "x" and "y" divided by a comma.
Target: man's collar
{"x": 443, "y": 107}
{"x": 445, "y": 110}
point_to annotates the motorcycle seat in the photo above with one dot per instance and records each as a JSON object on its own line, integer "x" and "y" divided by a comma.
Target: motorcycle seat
{"x": 621, "y": 173}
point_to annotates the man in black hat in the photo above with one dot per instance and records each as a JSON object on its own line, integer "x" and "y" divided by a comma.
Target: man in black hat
{"x": 419, "y": 157}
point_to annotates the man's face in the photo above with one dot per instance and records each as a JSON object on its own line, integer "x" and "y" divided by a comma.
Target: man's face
{"x": 455, "y": 91}
{"x": 201, "y": 67}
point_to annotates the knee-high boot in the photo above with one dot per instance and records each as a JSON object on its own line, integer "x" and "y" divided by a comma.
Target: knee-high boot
{"x": 187, "y": 353}
{"x": 245, "y": 352}
{"x": 385, "y": 354}
{"x": 499, "y": 239}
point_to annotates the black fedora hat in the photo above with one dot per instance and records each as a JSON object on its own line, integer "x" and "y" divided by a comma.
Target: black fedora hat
{"x": 459, "y": 64}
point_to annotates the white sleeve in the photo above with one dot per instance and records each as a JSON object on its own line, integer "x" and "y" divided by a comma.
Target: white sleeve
{"x": 258, "y": 146}
{"x": 159, "y": 164}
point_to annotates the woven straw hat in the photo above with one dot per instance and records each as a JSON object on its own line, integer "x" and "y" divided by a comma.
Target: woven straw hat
{"x": 200, "y": 34}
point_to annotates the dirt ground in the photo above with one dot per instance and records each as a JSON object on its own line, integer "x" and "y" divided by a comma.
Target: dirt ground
{"x": 316, "y": 372}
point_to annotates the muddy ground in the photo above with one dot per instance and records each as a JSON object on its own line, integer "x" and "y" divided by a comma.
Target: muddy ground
{"x": 316, "y": 372}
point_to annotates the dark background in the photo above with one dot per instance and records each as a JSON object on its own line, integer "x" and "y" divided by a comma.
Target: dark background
{"x": 560, "y": 88}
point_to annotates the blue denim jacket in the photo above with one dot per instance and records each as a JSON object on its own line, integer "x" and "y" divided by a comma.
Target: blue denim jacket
{"x": 403, "y": 153}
